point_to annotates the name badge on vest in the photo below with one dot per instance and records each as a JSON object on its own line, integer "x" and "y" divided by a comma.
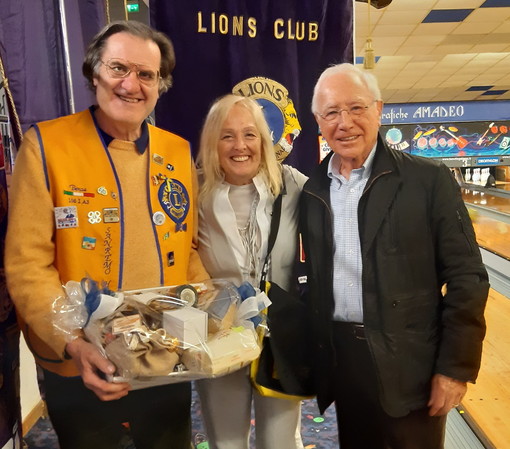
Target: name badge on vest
{"x": 66, "y": 217}
{"x": 111, "y": 215}
{"x": 174, "y": 199}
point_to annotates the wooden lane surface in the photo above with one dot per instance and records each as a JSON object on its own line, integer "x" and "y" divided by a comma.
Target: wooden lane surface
{"x": 497, "y": 203}
{"x": 488, "y": 401}
{"x": 491, "y": 233}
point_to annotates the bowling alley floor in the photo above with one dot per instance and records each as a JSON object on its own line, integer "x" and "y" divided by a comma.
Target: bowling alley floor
{"x": 318, "y": 432}
{"x": 487, "y": 403}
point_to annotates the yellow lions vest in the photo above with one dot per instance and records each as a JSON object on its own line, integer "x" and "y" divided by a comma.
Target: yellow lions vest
{"x": 88, "y": 207}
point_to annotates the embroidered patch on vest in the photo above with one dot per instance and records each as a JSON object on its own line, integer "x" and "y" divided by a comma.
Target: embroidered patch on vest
{"x": 111, "y": 215}
{"x": 94, "y": 217}
{"x": 88, "y": 243}
{"x": 66, "y": 217}
{"x": 174, "y": 199}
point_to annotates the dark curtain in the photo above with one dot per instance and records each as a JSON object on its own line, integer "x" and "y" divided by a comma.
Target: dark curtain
{"x": 32, "y": 50}
{"x": 220, "y": 43}
{"x": 31, "y": 46}
{"x": 33, "y": 59}
{"x": 84, "y": 18}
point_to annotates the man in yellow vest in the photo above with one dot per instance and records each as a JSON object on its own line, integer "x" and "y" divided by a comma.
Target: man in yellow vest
{"x": 103, "y": 194}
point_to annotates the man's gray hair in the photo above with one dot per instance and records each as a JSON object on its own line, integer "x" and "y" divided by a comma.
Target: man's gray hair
{"x": 353, "y": 71}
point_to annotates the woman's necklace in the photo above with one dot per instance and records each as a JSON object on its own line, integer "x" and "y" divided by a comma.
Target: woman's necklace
{"x": 248, "y": 234}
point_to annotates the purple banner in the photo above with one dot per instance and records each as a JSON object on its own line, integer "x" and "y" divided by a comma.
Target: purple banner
{"x": 32, "y": 47}
{"x": 32, "y": 52}
{"x": 271, "y": 51}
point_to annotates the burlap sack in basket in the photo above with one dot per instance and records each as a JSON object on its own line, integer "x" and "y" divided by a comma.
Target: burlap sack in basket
{"x": 143, "y": 353}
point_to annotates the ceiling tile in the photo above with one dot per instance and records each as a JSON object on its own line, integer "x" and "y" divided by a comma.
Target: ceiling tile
{"x": 486, "y": 98}
{"x": 453, "y": 49}
{"x": 503, "y": 27}
{"x": 395, "y": 62}
{"x": 456, "y": 59}
{"x": 493, "y": 93}
{"x": 477, "y": 28}
{"x": 449, "y": 83}
{"x": 466, "y": 96}
{"x": 437, "y": 61}
{"x": 505, "y": 62}
{"x": 430, "y": 41}
{"x": 463, "y": 81}
{"x": 432, "y": 81}
{"x": 486, "y": 78}
{"x": 495, "y": 3}
{"x": 431, "y": 58}
{"x": 419, "y": 66}
{"x": 457, "y": 39}
{"x": 496, "y": 38}
{"x": 489, "y": 48}
{"x": 447, "y": 15}
{"x": 387, "y": 42}
{"x": 413, "y": 17}
{"x": 414, "y": 50}
{"x": 442, "y": 94}
{"x": 444, "y": 71}
{"x": 361, "y": 13}
{"x": 393, "y": 30}
{"x": 406, "y": 5}
{"x": 434, "y": 29}
{"x": 457, "y": 4}
{"x": 383, "y": 84}
{"x": 488, "y": 57}
{"x": 401, "y": 83}
{"x": 495, "y": 15}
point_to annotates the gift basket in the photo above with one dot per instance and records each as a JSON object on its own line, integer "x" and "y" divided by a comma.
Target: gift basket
{"x": 170, "y": 334}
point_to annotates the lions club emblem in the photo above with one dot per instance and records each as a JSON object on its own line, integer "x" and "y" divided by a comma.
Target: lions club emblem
{"x": 174, "y": 199}
{"x": 278, "y": 109}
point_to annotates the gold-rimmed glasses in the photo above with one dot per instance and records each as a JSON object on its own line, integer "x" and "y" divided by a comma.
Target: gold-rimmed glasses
{"x": 120, "y": 68}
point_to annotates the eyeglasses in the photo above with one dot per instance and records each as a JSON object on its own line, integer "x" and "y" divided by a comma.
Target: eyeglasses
{"x": 354, "y": 111}
{"x": 119, "y": 68}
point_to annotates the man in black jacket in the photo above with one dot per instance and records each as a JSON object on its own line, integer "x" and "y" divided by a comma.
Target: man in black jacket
{"x": 397, "y": 284}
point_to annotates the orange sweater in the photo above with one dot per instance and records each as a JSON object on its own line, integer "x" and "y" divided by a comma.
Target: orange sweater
{"x": 44, "y": 249}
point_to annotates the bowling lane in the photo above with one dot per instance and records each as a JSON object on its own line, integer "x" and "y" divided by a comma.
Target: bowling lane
{"x": 491, "y": 234}
{"x": 491, "y": 219}
{"x": 487, "y": 200}
{"x": 487, "y": 403}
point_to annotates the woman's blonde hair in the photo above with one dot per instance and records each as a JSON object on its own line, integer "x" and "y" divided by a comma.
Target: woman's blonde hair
{"x": 208, "y": 160}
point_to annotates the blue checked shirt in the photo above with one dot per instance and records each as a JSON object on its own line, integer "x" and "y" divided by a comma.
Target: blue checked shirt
{"x": 347, "y": 266}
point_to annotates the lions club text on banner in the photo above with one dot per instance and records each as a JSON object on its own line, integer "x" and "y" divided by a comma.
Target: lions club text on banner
{"x": 272, "y": 51}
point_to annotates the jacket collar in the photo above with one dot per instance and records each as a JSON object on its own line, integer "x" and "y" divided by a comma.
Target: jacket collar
{"x": 383, "y": 163}
{"x": 378, "y": 196}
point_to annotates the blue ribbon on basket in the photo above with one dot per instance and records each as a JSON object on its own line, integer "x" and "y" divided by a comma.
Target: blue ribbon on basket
{"x": 246, "y": 290}
{"x": 93, "y": 295}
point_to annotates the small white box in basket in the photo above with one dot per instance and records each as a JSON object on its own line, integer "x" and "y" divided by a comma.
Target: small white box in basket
{"x": 187, "y": 324}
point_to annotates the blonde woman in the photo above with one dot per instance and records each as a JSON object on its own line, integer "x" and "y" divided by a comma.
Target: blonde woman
{"x": 239, "y": 182}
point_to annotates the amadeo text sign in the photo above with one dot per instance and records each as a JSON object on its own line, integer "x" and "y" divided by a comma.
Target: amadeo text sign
{"x": 467, "y": 111}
